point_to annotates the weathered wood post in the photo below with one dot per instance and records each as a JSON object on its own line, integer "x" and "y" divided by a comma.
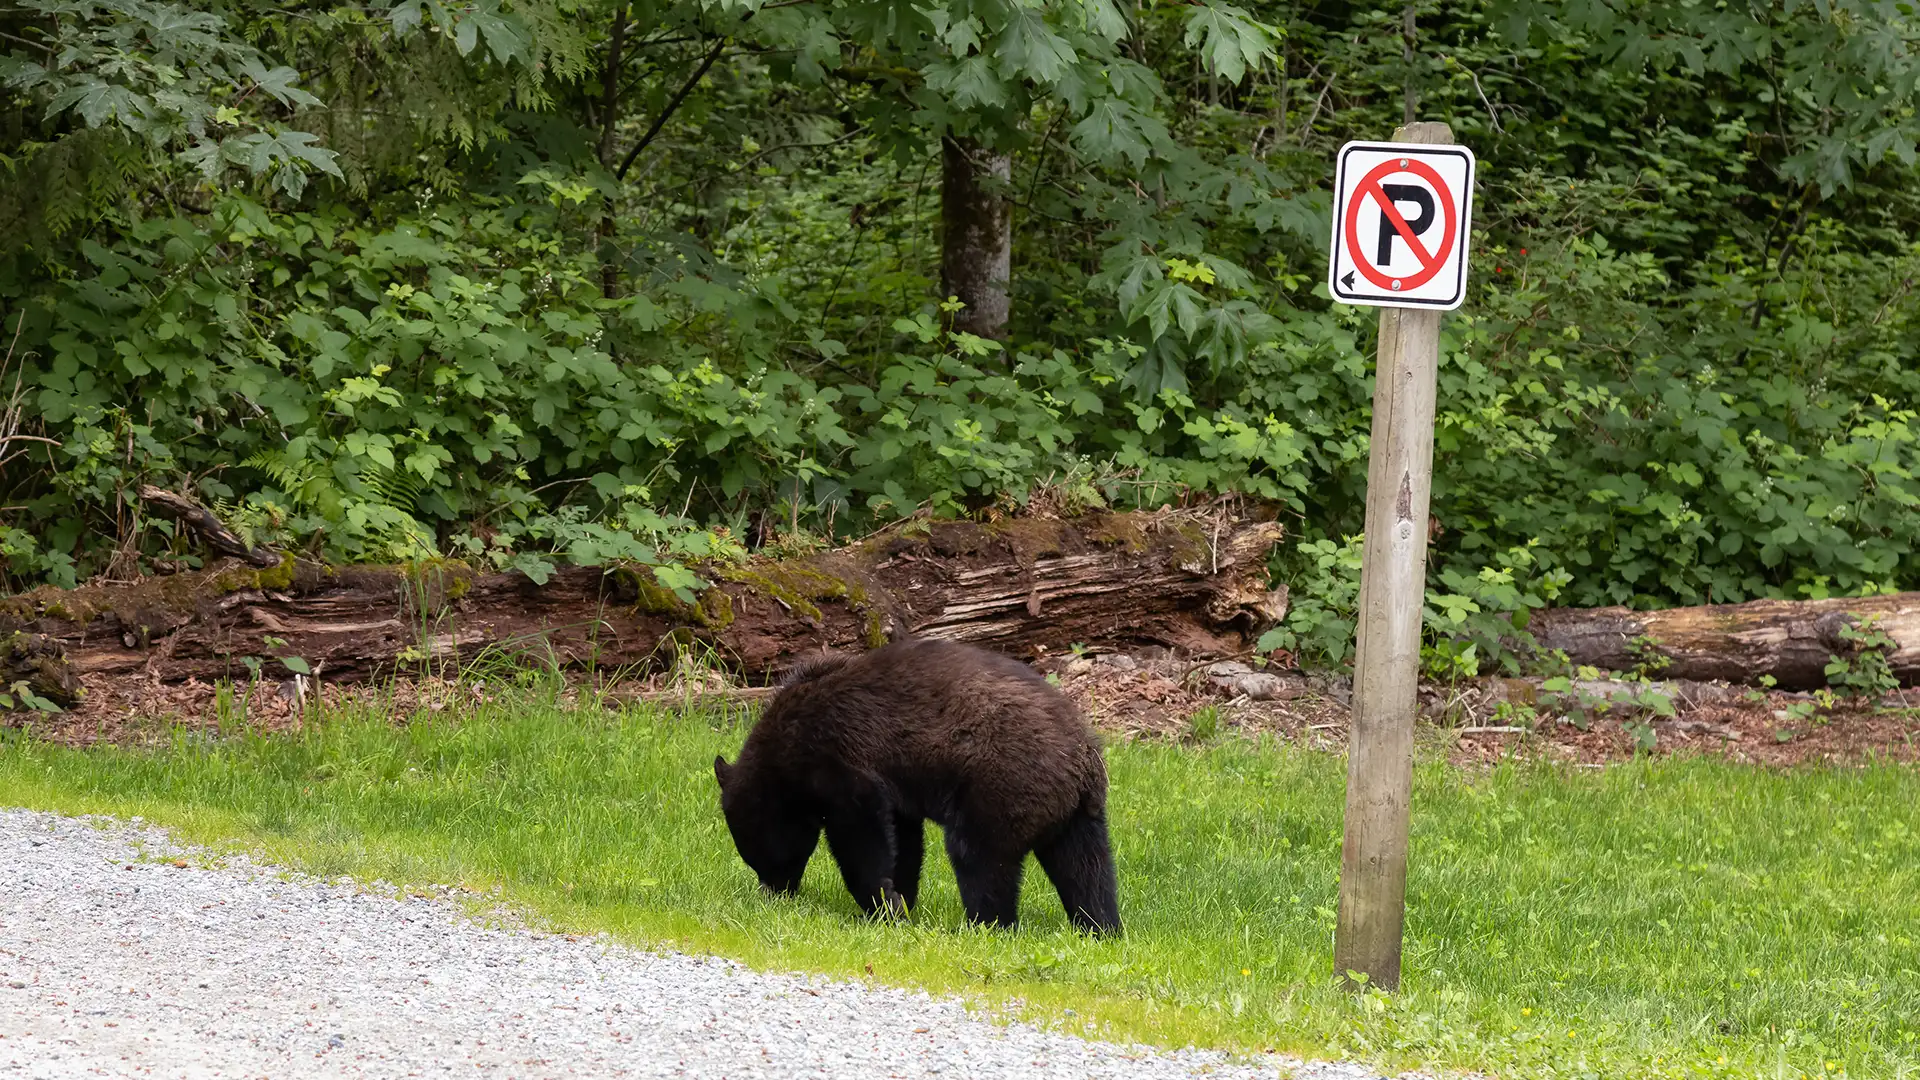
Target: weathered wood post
{"x": 1430, "y": 273}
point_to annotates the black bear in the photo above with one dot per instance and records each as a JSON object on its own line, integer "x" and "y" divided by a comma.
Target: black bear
{"x": 868, "y": 747}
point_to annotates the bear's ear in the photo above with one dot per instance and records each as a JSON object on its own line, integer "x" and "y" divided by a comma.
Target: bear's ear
{"x": 722, "y": 771}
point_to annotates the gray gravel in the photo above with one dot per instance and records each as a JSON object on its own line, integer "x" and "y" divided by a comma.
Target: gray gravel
{"x": 116, "y": 962}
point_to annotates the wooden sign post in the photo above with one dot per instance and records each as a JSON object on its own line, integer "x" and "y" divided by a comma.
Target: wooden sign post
{"x": 1401, "y": 220}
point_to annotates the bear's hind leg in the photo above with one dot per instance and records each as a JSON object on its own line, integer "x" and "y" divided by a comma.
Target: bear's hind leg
{"x": 1079, "y": 862}
{"x": 862, "y": 844}
{"x": 989, "y": 880}
{"x": 909, "y": 844}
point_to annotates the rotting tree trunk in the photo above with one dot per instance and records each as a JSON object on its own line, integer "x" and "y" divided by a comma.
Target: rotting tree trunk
{"x": 1791, "y": 640}
{"x": 976, "y": 256}
{"x": 1020, "y": 586}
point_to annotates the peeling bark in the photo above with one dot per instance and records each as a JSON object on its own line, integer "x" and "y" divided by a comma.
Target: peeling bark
{"x": 1019, "y": 586}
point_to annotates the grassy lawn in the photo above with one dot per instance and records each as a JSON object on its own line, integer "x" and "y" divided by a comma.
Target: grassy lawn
{"x": 1679, "y": 918}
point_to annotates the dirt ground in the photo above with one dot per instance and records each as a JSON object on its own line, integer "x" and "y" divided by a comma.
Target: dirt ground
{"x": 1153, "y": 694}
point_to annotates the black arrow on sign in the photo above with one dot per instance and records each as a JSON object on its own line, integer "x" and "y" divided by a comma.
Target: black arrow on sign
{"x": 1348, "y": 280}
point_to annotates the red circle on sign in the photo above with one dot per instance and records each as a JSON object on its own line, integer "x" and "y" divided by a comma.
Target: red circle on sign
{"x": 1368, "y": 190}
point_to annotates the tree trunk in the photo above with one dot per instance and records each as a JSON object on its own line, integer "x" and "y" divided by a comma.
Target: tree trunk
{"x": 609, "y": 117}
{"x": 1177, "y": 579}
{"x": 976, "y": 259}
{"x": 1408, "y": 39}
{"x": 1791, "y": 640}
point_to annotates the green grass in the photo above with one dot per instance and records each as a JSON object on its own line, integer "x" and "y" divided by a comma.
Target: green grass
{"x": 1675, "y": 918}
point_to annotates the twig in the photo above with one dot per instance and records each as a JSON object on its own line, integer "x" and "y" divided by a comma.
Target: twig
{"x": 1319, "y": 103}
{"x": 1493, "y": 114}
{"x": 672, "y": 107}
{"x": 210, "y": 528}
{"x": 1241, "y": 655}
{"x": 771, "y": 150}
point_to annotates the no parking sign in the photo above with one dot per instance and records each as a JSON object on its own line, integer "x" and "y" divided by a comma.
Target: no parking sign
{"x": 1401, "y": 218}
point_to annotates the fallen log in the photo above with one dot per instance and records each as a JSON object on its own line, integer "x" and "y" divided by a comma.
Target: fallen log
{"x": 1179, "y": 579}
{"x": 1791, "y": 640}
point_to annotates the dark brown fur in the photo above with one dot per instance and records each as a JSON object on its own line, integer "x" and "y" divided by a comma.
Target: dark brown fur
{"x": 869, "y": 747}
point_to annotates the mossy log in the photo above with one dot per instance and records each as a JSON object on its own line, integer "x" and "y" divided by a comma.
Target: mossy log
{"x": 1020, "y": 585}
{"x": 1791, "y": 640}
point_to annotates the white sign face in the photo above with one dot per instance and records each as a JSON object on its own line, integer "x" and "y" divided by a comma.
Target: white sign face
{"x": 1401, "y": 215}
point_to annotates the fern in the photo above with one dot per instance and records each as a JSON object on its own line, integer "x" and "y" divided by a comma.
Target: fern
{"x": 394, "y": 489}
{"x": 290, "y": 476}
{"x": 53, "y": 190}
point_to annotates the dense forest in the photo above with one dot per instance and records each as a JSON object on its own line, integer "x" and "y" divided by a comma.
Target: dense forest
{"x": 526, "y": 282}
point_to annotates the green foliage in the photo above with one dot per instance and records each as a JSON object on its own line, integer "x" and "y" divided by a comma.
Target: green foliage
{"x": 1832, "y": 79}
{"x": 1477, "y": 617}
{"x": 1865, "y": 670}
{"x": 140, "y": 75}
{"x": 1636, "y": 702}
{"x": 508, "y": 304}
{"x": 1323, "y": 610}
{"x": 20, "y": 695}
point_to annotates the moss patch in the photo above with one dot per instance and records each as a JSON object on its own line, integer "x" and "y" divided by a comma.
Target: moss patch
{"x": 712, "y": 611}
{"x": 1118, "y": 530}
{"x": 1189, "y": 545}
{"x": 802, "y": 588}
{"x": 1031, "y": 538}
{"x": 172, "y": 597}
{"x": 716, "y": 609}
{"x": 795, "y": 586}
{"x": 435, "y": 583}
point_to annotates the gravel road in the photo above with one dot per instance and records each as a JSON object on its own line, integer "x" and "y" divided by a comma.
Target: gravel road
{"x": 116, "y": 962}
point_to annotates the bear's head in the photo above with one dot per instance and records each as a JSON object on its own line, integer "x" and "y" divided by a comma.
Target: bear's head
{"x": 775, "y": 835}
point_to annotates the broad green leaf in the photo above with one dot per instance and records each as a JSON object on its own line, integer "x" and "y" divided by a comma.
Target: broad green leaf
{"x": 1113, "y": 129}
{"x": 1103, "y": 17}
{"x": 100, "y": 102}
{"x": 969, "y": 83}
{"x": 1028, "y": 46}
{"x": 278, "y": 83}
{"x": 1231, "y": 42}
{"x": 406, "y": 17}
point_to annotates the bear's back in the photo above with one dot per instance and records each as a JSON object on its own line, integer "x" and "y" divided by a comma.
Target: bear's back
{"x": 941, "y": 716}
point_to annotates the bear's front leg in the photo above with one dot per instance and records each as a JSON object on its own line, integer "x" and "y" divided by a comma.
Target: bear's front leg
{"x": 862, "y": 843}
